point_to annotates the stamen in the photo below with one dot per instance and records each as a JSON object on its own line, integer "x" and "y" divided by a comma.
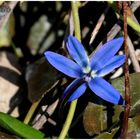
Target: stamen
{"x": 93, "y": 74}
{"x": 87, "y": 69}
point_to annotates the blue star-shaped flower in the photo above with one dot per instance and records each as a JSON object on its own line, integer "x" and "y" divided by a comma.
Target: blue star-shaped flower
{"x": 102, "y": 62}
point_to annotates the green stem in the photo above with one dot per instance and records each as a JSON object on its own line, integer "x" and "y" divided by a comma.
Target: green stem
{"x": 31, "y": 111}
{"x": 76, "y": 20}
{"x": 68, "y": 120}
{"x": 74, "y": 103}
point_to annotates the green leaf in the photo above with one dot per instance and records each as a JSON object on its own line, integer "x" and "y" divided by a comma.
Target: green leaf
{"x": 99, "y": 118}
{"x": 134, "y": 91}
{"x": 18, "y": 128}
{"x": 107, "y": 135}
{"x": 40, "y": 77}
{"x": 94, "y": 122}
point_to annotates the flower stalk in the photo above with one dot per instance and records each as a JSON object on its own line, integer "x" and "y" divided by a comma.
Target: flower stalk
{"x": 72, "y": 109}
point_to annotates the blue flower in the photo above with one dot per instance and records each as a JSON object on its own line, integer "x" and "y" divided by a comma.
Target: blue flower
{"x": 102, "y": 62}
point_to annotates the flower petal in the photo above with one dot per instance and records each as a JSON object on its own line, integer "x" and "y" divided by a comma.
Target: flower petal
{"x": 115, "y": 62}
{"x": 80, "y": 87}
{"x": 106, "y": 91}
{"x": 73, "y": 84}
{"x": 105, "y": 53}
{"x": 77, "y": 52}
{"x": 78, "y": 92}
{"x": 64, "y": 64}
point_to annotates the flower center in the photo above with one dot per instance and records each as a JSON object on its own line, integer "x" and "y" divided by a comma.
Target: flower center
{"x": 87, "y": 78}
{"x": 89, "y": 74}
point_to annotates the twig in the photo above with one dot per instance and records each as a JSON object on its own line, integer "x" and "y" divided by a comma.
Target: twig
{"x": 124, "y": 130}
{"x": 69, "y": 29}
{"x": 134, "y": 18}
{"x": 116, "y": 28}
{"x": 98, "y": 25}
{"x": 134, "y": 6}
{"x": 130, "y": 22}
{"x": 42, "y": 119}
{"x": 133, "y": 56}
